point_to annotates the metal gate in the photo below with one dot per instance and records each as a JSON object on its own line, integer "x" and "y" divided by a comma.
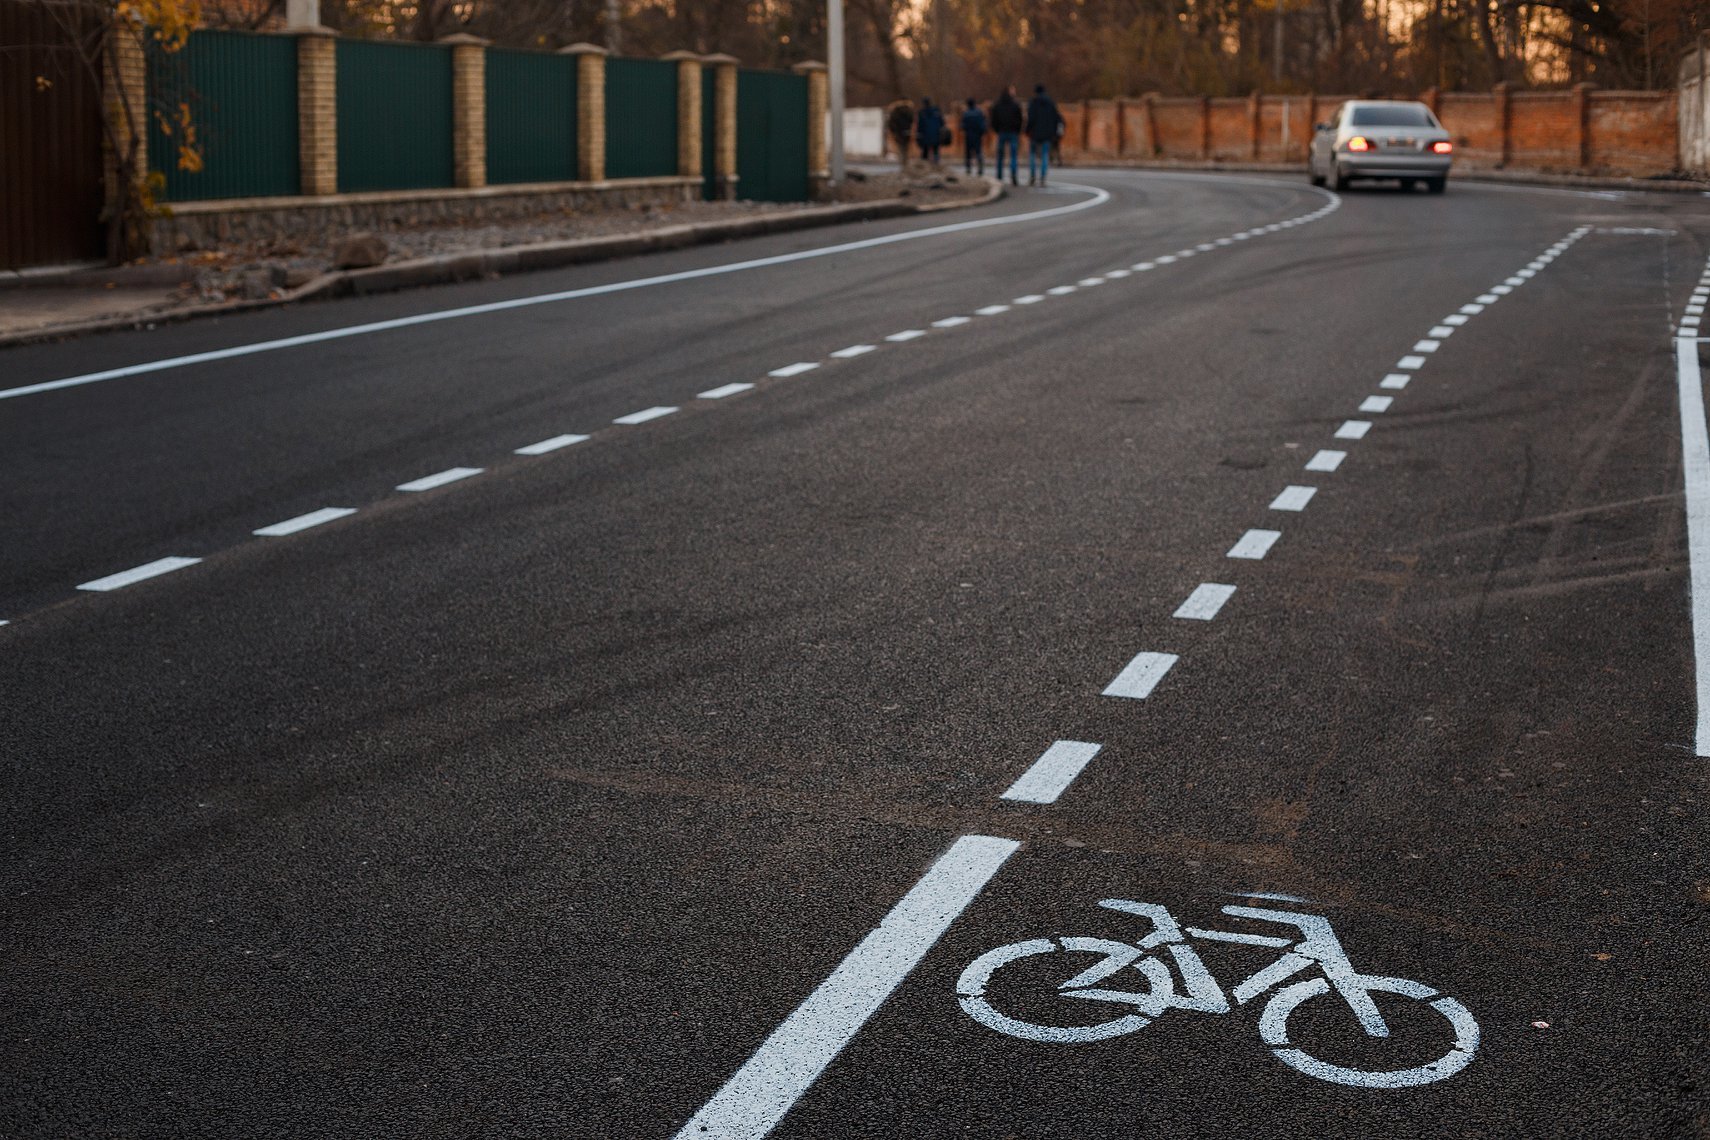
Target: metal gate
{"x": 50, "y": 142}
{"x": 771, "y": 136}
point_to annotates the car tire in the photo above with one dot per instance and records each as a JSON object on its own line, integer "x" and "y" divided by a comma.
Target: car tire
{"x": 1436, "y": 185}
{"x": 1313, "y": 176}
{"x": 1338, "y": 180}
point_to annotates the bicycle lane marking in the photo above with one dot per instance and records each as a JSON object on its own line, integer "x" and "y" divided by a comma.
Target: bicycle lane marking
{"x": 768, "y": 1085}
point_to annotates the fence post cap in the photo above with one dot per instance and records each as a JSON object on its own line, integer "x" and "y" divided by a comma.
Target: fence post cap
{"x": 583, "y": 49}
{"x": 680, "y": 55}
{"x": 720, "y": 57}
{"x": 808, "y": 65}
{"x": 462, "y": 39}
{"x": 312, "y": 30}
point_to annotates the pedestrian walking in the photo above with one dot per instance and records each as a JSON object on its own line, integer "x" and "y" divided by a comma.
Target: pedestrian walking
{"x": 899, "y": 123}
{"x": 1043, "y": 124}
{"x": 973, "y": 139}
{"x": 1007, "y": 120}
{"x": 929, "y": 130}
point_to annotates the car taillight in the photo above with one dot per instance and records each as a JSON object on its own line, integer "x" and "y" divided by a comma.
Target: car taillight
{"x": 1443, "y": 146}
{"x": 1359, "y": 142}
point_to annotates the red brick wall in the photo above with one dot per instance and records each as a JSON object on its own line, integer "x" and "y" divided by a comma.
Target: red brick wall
{"x": 1475, "y": 127}
{"x": 1074, "y": 127}
{"x": 1635, "y": 132}
{"x": 1232, "y": 130}
{"x": 1543, "y": 130}
{"x": 1137, "y": 141}
{"x": 1272, "y": 113}
{"x": 1101, "y": 127}
{"x": 1177, "y": 121}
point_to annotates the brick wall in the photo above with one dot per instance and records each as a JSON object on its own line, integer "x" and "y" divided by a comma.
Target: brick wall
{"x": 1622, "y": 132}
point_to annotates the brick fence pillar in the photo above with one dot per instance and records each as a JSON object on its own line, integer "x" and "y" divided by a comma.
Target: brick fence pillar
{"x": 689, "y": 157}
{"x": 1256, "y": 114}
{"x": 468, "y": 109}
{"x": 125, "y": 103}
{"x": 1121, "y": 126}
{"x": 1433, "y": 98}
{"x": 1582, "y": 115}
{"x": 590, "y": 111}
{"x": 724, "y": 124}
{"x": 317, "y": 109}
{"x": 1205, "y": 127}
{"x": 819, "y": 100}
{"x": 1504, "y": 121}
{"x": 1150, "y": 139}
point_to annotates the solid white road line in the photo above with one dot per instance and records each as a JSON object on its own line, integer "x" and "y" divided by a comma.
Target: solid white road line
{"x": 304, "y": 522}
{"x": 1376, "y": 403}
{"x": 1326, "y": 460}
{"x": 906, "y": 334}
{"x": 644, "y": 415}
{"x": 1411, "y": 362}
{"x": 552, "y": 444}
{"x": 1202, "y": 605}
{"x": 1395, "y": 380}
{"x": 138, "y": 573}
{"x": 439, "y": 478}
{"x": 1254, "y": 544}
{"x": 1695, "y": 461}
{"x": 795, "y": 369}
{"x": 1098, "y": 198}
{"x": 1353, "y": 429}
{"x": 854, "y": 350}
{"x": 1293, "y": 498}
{"x": 1051, "y": 774}
{"x": 768, "y": 1085}
{"x": 1141, "y": 675}
{"x": 724, "y": 390}
{"x": 950, "y": 322}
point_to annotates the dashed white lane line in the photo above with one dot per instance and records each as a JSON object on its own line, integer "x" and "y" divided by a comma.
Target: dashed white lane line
{"x": 1456, "y": 319}
{"x": 1060, "y": 290}
{"x": 1427, "y": 346}
{"x": 1501, "y": 290}
{"x": 795, "y": 369}
{"x": 1442, "y": 332}
{"x": 1395, "y": 380}
{"x": 724, "y": 390}
{"x": 1411, "y": 362}
{"x": 991, "y": 310}
{"x": 1488, "y": 299}
{"x": 1202, "y": 605}
{"x": 854, "y": 350}
{"x": 138, "y": 574}
{"x": 1326, "y": 460}
{"x": 906, "y": 334}
{"x": 1166, "y": 259}
{"x": 1030, "y": 299}
{"x": 1143, "y": 266}
{"x": 1695, "y": 462}
{"x": 1293, "y": 498}
{"x": 554, "y": 443}
{"x": 1353, "y": 429}
{"x": 1089, "y": 282}
{"x": 757, "y": 1097}
{"x": 1472, "y": 309}
{"x": 1051, "y": 774}
{"x": 1141, "y": 675}
{"x": 1376, "y": 403}
{"x": 304, "y": 522}
{"x": 644, "y": 415}
{"x": 1118, "y": 274}
{"x": 1515, "y": 282}
{"x": 1255, "y": 544}
{"x": 449, "y": 475}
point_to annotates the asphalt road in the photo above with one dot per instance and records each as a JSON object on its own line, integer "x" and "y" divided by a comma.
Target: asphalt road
{"x": 654, "y": 784}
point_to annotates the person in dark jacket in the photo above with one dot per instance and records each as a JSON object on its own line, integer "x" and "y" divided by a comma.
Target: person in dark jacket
{"x": 973, "y": 138}
{"x": 1007, "y": 121}
{"x": 899, "y": 121}
{"x": 929, "y": 130}
{"x": 1043, "y": 121}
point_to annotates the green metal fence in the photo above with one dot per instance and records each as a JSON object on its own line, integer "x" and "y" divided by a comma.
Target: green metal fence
{"x": 771, "y": 136}
{"x": 641, "y": 118}
{"x": 231, "y": 97}
{"x": 394, "y": 116}
{"x": 709, "y": 132}
{"x": 531, "y": 117}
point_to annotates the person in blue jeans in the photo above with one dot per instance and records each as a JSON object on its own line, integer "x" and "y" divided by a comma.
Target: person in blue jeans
{"x": 929, "y": 131}
{"x": 973, "y": 139}
{"x": 1007, "y": 121}
{"x": 1042, "y": 122}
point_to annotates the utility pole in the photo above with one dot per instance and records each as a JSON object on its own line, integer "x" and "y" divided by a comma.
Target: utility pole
{"x": 834, "y": 64}
{"x": 1276, "y": 51}
{"x": 302, "y": 13}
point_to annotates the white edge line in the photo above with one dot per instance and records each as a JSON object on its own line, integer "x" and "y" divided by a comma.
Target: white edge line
{"x": 644, "y": 415}
{"x": 1695, "y": 461}
{"x": 138, "y": 574}
{"x": 304, "y": 522}
{"x": 439, "y": 479}
{"x": 552, "y": 444}
{"x": 1051, "y": 774}
{"x": 724, "y": 390}
{"x": 767, "y": 1086}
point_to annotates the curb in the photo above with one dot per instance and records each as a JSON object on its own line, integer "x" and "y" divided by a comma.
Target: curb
{"x": 452, "y": 267}
{"x": 1573, "y": 181}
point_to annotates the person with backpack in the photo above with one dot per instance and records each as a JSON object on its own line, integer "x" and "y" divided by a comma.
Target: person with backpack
{"x": 1044, "y": 122}
{"x": 1007, "y": 120}
{"x": 973, "y": 138}
{"x": 929, "y": 130}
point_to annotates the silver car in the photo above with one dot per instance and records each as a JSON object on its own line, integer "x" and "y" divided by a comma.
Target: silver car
{"x": 1389, "y": 139}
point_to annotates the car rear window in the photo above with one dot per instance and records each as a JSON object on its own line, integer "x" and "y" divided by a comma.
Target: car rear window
{"x": 1400, "y": 115}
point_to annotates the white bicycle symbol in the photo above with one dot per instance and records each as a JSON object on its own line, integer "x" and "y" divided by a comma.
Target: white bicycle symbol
{"x": 1318, "y": 946}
